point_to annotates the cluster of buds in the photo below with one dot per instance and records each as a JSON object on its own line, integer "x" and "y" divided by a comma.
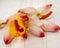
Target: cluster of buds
{"x": 32, "y": 20}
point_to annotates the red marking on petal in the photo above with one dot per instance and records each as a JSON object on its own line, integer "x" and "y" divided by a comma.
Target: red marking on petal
{"x": 7, "y": 20}
{"x": 41, "y": 34}
{"x": 7, "y": 40}
{"x": 25, "y": 36}
{"x": 48, "y": 6}
{"x": 55, "y": 28}
{"x": 18, "y": 28}
{"x": 24, "y": 18}
{"x": 21, "y": 11}
{"x": 58, "y": 27}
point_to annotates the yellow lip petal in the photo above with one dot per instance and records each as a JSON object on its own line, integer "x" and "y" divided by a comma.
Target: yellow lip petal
{"x": 13, "y": 30}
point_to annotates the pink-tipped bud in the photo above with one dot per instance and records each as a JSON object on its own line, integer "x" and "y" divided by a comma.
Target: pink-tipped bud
{"x": 48, "y": 6}
{"x": 7, "y": 39}
{"x": 55, "y": 28}
{"x": 36, "y": 30}
{"x": 49, "y": 26}
{"x": 46, "y": 15}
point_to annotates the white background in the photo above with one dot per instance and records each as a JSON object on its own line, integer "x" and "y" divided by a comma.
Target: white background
{"x": 51, "y": 40}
